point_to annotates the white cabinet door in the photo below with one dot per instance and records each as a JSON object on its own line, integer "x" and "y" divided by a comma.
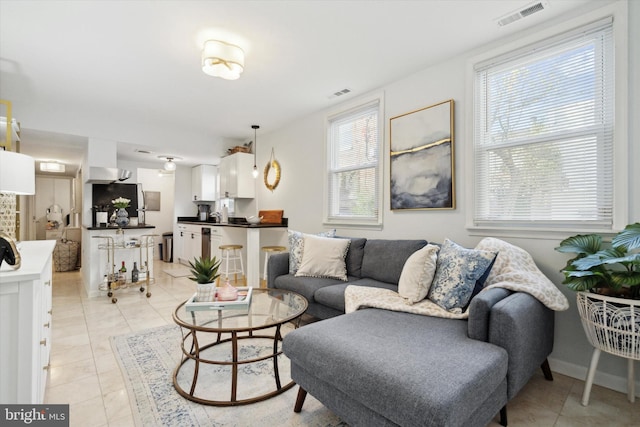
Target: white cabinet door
{"x": 178, "y": 244}
{"x": 245, "y": 182}
{"x": 203, "y": 183}
{"x": 226, "y": 172}
{"x": 192, "y": 243}
{"x": 236, "y": 176}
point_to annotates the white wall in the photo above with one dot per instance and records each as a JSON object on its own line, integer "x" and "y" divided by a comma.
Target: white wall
{"x": 299, "y": 147}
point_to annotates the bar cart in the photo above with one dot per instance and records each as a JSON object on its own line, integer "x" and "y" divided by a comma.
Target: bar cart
{"x": 113, "y": 281}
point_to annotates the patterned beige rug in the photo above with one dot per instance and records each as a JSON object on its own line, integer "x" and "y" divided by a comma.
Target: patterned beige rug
{"x": 148, "y": 359}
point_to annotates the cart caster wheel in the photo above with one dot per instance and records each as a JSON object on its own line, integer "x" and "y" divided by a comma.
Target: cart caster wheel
{"x": 110, "y": 294}
{"x": 148, "y": 294}
{"x": 141, "y": 288}
{"x": 114, "y": 300}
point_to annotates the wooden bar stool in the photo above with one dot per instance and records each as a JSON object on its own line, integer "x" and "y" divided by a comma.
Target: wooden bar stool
{"x": 269, "y": 250}
{"x": 231, "y": 254}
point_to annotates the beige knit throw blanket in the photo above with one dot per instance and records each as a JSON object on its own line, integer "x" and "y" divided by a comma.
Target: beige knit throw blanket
{"x": 514, "y": 269}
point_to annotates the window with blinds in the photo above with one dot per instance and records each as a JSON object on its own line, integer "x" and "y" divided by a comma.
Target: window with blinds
{"x": 543, "y": 133}
{"x": 353, "y": 145}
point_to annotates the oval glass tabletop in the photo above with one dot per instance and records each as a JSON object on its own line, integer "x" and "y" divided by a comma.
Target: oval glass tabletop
{"x": 267, "y": 308}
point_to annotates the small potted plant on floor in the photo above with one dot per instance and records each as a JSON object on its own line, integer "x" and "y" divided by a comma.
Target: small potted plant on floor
{"x": 204, "y": 272}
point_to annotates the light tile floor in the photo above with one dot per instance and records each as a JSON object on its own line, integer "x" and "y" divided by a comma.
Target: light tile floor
{"x": 85, "y": 374}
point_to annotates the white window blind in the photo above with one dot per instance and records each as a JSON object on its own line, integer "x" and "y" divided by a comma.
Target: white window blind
{"x": 353, "y": 166}
{"x": 543, "y": 133}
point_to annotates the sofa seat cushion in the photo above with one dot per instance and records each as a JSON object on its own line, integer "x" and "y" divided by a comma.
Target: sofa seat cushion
{"x": 416, "y": 370}
{"x": 333, "y": 295}
{"x": 305, "y": 286}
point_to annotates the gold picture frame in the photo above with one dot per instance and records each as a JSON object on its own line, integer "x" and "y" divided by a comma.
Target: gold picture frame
{"x": 421, "y": 160}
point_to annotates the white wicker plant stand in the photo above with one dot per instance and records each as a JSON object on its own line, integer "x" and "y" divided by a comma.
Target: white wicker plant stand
{"x": 612, "y": 325}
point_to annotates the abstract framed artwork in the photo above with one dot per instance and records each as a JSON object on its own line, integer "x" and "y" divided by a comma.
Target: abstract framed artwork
{"x": 422, "y": 158}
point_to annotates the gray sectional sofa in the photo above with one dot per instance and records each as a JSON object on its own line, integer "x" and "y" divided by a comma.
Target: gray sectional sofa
{"x": 377, "y": 367}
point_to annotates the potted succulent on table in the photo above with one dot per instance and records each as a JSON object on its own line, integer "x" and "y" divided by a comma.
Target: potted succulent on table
{"x": 204, "y": 272}
{"x": 607, "y": 280}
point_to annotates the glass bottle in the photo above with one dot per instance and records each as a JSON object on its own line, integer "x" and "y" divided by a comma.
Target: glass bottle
{"x": 134, "y": 273}
{"x": 123, "y": 274}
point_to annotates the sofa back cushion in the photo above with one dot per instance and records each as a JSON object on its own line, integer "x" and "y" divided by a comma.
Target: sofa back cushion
{"x": 354, "y": 256}
{"x": 383, "y": 259}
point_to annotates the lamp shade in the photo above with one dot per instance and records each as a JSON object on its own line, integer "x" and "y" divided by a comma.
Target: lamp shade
{"x": 17, "y": 173}
{"x": 221, "y": 59}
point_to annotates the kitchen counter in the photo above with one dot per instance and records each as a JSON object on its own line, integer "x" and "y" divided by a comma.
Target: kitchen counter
{"x": 210, "y": 223}
{"x": 252, "y": 236}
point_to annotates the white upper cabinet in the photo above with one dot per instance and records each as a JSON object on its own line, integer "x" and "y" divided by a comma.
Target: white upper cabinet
{"x": 203, "y": 183}
{"x": 236, "y": 177}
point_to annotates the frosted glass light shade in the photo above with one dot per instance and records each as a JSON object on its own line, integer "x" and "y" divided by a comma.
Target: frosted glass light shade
{"x": 221, "y": 59}
{"x": 17, "y": 173}
{"x": 52, "y": 167}
{"x": 169, "y": 165}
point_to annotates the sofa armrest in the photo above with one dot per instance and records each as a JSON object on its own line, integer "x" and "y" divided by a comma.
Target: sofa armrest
{"x": 480, "y": 309}
{"x": 524, "y": 327}
{"x": 278, "y": 265}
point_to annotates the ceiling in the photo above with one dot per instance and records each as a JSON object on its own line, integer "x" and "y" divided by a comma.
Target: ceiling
{"x": 129, "y": 71}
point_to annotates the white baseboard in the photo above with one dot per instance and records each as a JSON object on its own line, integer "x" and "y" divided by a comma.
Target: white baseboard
{"x": 578, "y": 372}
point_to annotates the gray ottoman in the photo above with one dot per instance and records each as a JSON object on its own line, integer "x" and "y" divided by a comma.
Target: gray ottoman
{"x": 385, "y": 368}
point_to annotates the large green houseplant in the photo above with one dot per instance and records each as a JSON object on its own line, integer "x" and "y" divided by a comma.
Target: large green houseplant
{"x": 204, "y": 271}
{"x": 613, "y": 270}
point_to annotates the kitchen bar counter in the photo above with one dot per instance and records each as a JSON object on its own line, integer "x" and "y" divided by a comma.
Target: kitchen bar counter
{"x": 256, "y": 236}
{"x": 210, "y": 223}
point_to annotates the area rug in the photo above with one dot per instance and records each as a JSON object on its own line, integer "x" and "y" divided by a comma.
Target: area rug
{"x": 178, "y": 272}
{"x": 148, "y": 359}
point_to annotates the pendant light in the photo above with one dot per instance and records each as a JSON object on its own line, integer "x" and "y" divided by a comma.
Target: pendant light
{"x": 255, "y": 148}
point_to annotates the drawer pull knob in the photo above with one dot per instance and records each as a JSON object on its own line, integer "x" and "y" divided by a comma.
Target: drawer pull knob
{"x": 46, "y": 367}
{"x": 47, "y": 283}
{"x": 47, "y": 325}
{"x": 50, "y": 311}
{"x": 43, "y": 342}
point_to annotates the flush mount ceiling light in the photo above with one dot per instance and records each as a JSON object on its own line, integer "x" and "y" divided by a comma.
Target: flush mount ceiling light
{"x": 169, "y": 165}
{"x": 52, "y": 167}
{"x": 222, "y": 59}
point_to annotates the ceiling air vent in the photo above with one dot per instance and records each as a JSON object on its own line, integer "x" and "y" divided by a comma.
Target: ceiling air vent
{"x": 340, "y": 93}
{"x": 528, "y": 10}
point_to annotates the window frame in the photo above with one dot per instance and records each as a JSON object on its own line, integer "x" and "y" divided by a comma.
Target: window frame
{"x": 620, "y": 153}
{"x": 341, "y": 111}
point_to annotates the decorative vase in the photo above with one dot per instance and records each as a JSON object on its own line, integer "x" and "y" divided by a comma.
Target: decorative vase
{"x": 122, "y": 217}
{"x": 227, "y": 292}
{"x": 205, "y": 292}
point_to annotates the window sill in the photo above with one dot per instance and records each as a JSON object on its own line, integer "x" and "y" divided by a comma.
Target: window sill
{"x": 535, "y": 233}
{"x": 353, "y": 225}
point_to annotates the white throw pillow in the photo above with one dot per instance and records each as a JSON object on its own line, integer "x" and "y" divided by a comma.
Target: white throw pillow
{"x": 295, "y": 247}
{"x": 417, "y": 274}
{"x": 324, "y": 257}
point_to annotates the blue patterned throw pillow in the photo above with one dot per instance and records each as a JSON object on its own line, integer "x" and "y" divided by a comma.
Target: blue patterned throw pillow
{"x": 457, "y": 270}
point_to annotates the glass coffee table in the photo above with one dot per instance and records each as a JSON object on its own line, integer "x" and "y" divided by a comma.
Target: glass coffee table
{"x": 226, "y": 348}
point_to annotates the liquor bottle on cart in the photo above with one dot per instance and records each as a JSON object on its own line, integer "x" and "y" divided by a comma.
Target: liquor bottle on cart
{"x": 134, "y": 273}
{"x": 122, "y": 277}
